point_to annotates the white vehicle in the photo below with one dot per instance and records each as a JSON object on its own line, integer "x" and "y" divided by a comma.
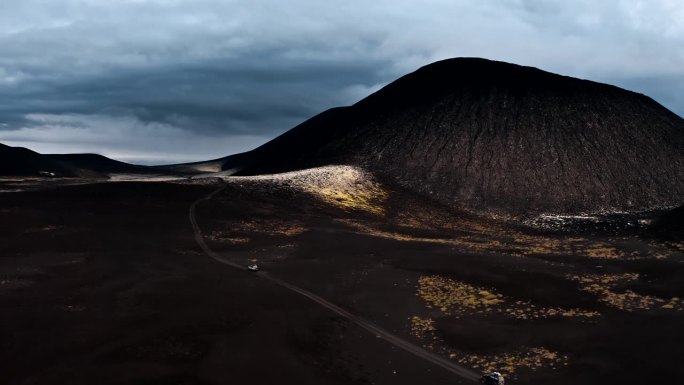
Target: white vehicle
{"x": 253, "y": 267}
{"x": 493, "y": 378}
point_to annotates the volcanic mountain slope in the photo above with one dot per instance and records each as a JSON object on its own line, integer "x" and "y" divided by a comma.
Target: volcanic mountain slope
{"x": 497, "y": 137}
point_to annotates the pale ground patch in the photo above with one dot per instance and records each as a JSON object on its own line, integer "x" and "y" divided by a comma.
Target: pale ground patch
{"x": 207, "y": 167}
{"x": 143, "y": 178}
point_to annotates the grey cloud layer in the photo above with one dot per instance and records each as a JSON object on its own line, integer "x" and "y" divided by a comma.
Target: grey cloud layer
{"x": 225, "y": 76}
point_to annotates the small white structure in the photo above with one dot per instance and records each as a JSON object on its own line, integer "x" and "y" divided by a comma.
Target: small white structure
{"x": 253, "y": 267}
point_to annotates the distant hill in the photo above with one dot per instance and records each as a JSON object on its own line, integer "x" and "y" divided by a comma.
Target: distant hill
{"x": 497, "y": 137}
{"x": 19, "y": 161}
{"x": 97, "y": 163}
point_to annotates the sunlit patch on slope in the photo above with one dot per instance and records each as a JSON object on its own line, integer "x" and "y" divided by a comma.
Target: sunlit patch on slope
{"x": 346, "y": 187}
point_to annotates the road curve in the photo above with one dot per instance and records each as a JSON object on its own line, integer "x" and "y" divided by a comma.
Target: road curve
{"x": 395, "y": 340}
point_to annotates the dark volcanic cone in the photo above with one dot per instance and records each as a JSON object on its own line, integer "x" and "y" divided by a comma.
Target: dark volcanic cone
{"x": 497, "y": 137}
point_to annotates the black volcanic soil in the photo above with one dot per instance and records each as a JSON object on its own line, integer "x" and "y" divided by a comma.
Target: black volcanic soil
{"x": 103, "y": 283}
{"x": 499, "y": 138}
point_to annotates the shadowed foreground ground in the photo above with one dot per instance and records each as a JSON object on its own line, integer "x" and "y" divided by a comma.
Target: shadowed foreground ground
{"x": 104, "y": 283}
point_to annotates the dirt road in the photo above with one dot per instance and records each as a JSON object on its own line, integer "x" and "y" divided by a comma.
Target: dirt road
{"x": 359, "y": 321}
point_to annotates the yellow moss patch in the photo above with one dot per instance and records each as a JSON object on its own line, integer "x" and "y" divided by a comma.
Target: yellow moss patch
{"x": 604, "y": 286}
{"x": 270, "y": 227}
{"x": 674, "y": 303}
{"x": 468, "y": 243}
{"x": 508, "y": 363}
{"x": 411, "y": 221}
{"x": 291, "y": 231}
{"x": 484, "y": 236}
{"x": 219, "y": 236}
{"x": 535, "y": 245}
{"x": 420, "y": 327}
{"x": 449, "y": 295}
{"x": 458, "y": 298}
{"x": 674, "y": 245}
{"x": 525, "y": 310}
{"x": 604, "y": 251}
{"x": 240, "y": 232}
{"x": 237, "y": 240}
{"x": 479, "y": 238}
{"x": 364, "y": 198}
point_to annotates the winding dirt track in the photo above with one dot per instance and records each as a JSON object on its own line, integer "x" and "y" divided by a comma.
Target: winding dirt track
{"x": 367, "y": 325}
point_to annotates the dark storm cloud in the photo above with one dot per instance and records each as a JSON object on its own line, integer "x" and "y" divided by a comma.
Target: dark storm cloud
{"x": 213, "y": 97}
{"x": 176, "y": 80}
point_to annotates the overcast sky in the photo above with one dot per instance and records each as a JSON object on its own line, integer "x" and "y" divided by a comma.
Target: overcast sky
{"x": 156, "y": 81}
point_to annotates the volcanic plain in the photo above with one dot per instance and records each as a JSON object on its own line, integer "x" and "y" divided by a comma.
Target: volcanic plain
{"x": 105, "y": 282}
